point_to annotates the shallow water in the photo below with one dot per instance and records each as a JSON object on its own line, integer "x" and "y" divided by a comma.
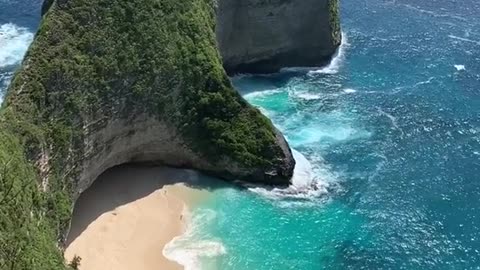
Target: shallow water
{"x": 391, "y": 131}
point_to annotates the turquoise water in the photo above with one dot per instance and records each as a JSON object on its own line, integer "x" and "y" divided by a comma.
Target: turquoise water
{"x": 392, "y": 132}
{"x": 391, "y": 136}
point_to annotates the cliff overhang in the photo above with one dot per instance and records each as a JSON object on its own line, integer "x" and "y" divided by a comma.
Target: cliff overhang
{"x": 107, "y": 82}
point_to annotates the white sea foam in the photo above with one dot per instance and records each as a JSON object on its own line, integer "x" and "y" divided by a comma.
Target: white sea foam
{"x": 305, "y": 185}
{"x": 308, "y": 96}
{"x": 189, "y": 256}
{"x": 424, "y": 82}
{"x": 435, "y": 14}
{"x": 329, "y": 131}
{"x": 459, "y": 67}
{"x": 337, "y": 60}
{"x": 305, "y": 95}
{"x": 464, "y": 39}
{"x": 188, "y": 249}
{"x": 392, "y": 119}
{"x": 302, "y": 176}
{"x": 264, "y": 93}
{"x": 14, "y": 42}
{"x": 349, "y": 90}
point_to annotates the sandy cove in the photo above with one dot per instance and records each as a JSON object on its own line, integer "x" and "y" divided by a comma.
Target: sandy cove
{"x": 128, "y": 215}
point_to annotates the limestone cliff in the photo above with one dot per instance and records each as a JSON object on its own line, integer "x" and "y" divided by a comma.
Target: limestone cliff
{"x": 107, "y": 82}
{"x": 262, "y": 36}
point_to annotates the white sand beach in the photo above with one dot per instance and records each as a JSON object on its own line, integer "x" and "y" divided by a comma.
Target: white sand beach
{"x": 128, "y": 215}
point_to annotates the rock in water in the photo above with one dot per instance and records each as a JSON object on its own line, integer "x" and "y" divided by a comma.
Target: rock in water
{"x": 107, "y": 82}
{"x": 258, "y": 36}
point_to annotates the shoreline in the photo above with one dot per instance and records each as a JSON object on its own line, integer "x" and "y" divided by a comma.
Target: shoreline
{"x": 128, "y": 216}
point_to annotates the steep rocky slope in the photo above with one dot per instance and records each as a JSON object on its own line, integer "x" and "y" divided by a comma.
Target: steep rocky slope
{"x": 265, "y": 36}
{"x": 107, "y": 82}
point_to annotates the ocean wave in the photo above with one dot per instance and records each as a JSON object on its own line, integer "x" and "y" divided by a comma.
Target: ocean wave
{"x": 264, "y": 93}
{"x": 399, "y": 89}
{"x": 464, "y": 39}
{"x": 189, "y": 248}
{"x": 332, "y": 68}
{"x": 14, "y": 42}
{"x": 424, "y": 82}
{"x": 297, "y": 69}
{"x": 349, "y": 90}
{"x": 434, "y": 14}
{"x": 327, "y": 129}
{"x": 308, "y": 96}
{"x": 337, "y": 60}
{"x": 305, "y": 183}
{"x": 392, "y": 119}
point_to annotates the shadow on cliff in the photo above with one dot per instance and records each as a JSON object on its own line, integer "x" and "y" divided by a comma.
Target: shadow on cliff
{"x": 127, "y": 183}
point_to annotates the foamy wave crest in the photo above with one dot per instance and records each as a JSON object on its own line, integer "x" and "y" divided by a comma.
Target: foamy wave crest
{"x": 308, "y": 96}
{"x": 264, "y": 93}
{"x": 464, "y": 39}
{"x": 434, "y": 14}
{"x": 14, "y": 42}
{"x": 305, "y": 183}
{"x": 337, "y": 60}
{"x": 327, "y": 133}
{"x": 189, "y": 248}
{"x": 349, "y": 90}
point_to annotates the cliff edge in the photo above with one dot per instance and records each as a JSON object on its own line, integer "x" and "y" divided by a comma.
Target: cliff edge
{"x": 107, "y": 82}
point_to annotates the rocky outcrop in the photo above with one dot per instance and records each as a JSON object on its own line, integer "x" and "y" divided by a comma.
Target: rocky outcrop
{"x": 107, "y": 82}
{"x": 262, "y": 36}
{"x": 110, "y": 82}
{"x": 258, "y": 36}
{"x": 143, "y": 139}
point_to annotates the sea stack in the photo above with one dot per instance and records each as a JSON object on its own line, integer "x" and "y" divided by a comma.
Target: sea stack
{"x": 112, "y": 82}
{"x": 257, "y": 36}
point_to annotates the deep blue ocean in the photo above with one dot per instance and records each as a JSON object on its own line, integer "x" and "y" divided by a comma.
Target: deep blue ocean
{"x": 388, "y": 140}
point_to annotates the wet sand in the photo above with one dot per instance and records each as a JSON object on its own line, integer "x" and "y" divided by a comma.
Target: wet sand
{"x": 128, "y": 215}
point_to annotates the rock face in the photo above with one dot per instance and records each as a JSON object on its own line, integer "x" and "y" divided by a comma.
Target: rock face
{"x": 262, "y": 36}
{"x": 146, "y": 139}
{"x": 107, "y": 82}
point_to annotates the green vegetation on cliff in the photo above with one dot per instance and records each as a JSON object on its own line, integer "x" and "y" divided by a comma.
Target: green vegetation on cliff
{"x": 29, "y": 219}
{"x": 334, "y": 7}
{"x": 94, "y": 60}
{"x": 156, "y": 55}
